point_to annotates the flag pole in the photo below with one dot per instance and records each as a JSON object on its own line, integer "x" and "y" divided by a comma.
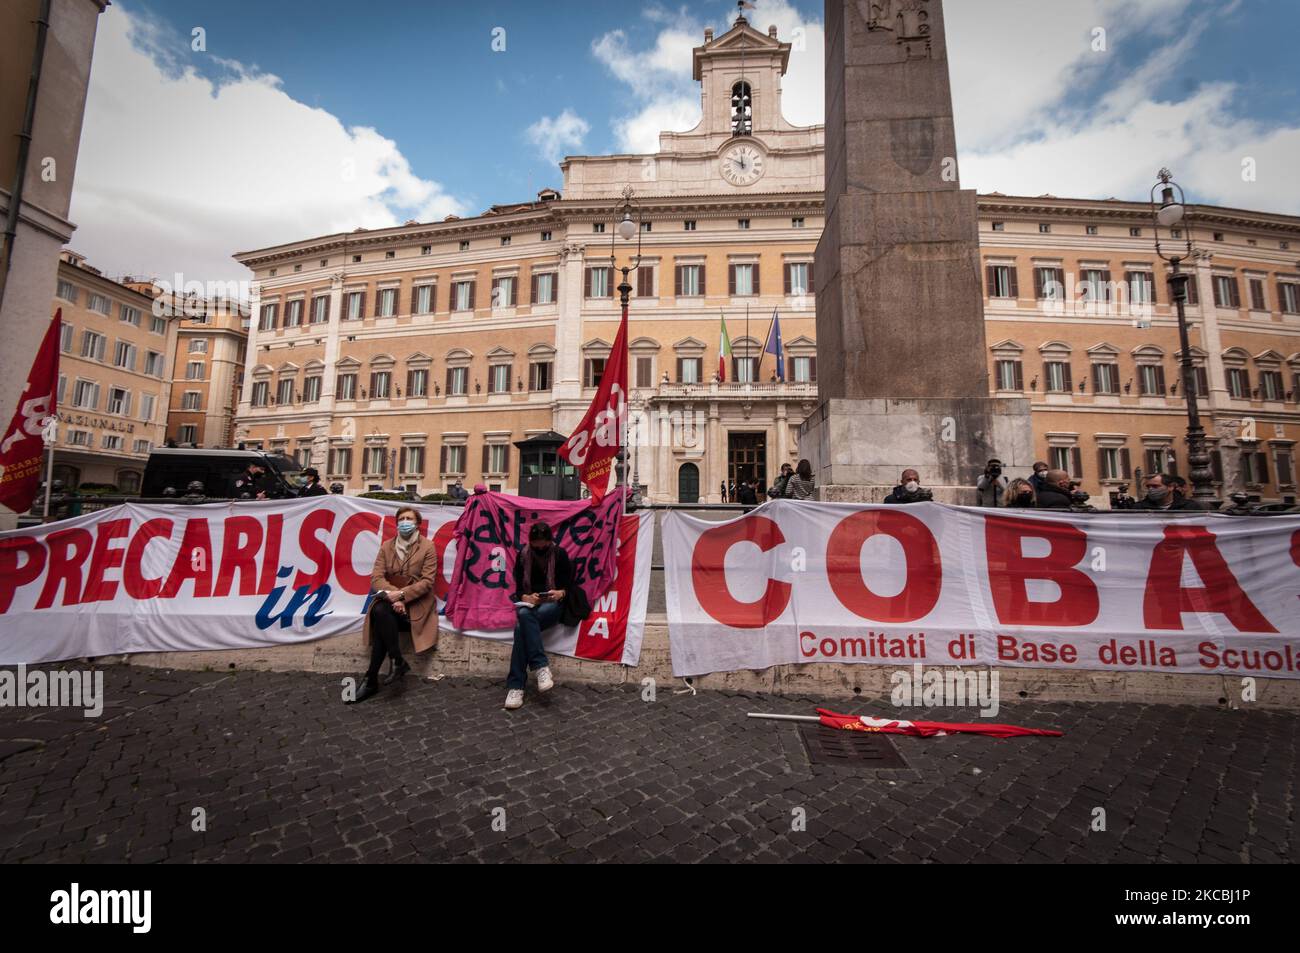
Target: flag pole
{"x": 51, "y": 432}
{"x": 765, "y": 715}
{"x": 767, "y": 337}
{"x": 754, "y": 373}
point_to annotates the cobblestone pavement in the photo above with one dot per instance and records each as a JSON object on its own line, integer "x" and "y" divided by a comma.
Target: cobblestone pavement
{"x": 285, "y": 772}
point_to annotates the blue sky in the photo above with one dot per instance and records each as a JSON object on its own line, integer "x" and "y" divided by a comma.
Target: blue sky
{"x": 308, "y": 116}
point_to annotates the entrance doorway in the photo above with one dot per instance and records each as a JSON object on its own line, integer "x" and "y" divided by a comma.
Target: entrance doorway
{"x": 688, "y": 483}
{"x": 747, "y": 458}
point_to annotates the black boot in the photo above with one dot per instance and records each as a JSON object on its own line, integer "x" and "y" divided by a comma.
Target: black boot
{"x": 369, "y": 689}
{"x": 400, "y": 668}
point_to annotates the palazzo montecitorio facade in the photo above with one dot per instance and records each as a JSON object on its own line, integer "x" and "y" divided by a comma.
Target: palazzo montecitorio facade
{"x": 422, "y": 354}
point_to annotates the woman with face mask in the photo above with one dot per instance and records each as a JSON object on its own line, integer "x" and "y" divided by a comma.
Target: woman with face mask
{"x": 1021, "y": 493}
{"x": 543, "y": 577}
{"x": 403, "y": 600}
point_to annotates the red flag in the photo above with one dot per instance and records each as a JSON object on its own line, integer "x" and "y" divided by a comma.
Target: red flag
{"x": 593, "y": 446}
{"x": 24, "y": 442}
{"x": 925, "y": 729}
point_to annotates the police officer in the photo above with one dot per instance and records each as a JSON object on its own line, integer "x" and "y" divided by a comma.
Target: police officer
{"x": 313, "y": 485}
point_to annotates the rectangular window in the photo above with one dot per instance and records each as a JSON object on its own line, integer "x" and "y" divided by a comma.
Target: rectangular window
{"x": 744, "y": 280}
{"x": 1254, "y": 468}
{"x": 79, "y": 438}
{"x": 340, "y": 461}
{"x": 1010, "y": 375}
{"x": 417, "y": 382}
{"x": 503, "y": 292}
{"x": 130, "y": 315}
{"x": 742, "y": 223}
{"x": 1238, "y": 380}
{"x": 191, "y": 400}
{"x": 354, "y": 303}
{"x": 1282, "y": 463}
{"x": 412, "y": 461}
{"x": 453, "y": 458}
{"x": 1113, "y": 463}
{"x": 1049, "y": 284}
{"x": 158, "y": 325}
{"x": 798, "y": 278}
{"x": 457, "y": 381}
{"x": 189, "y": 434}
{"x": 462, "y": 296}
{"x": 499, "y": 379}
{"x": 1056, "y": 377}
{"x": 119, "y": 401}
{"x": 293, "y": 313}
{"x": 1002, "y": 281}
{"x": 593, "y": 369}
{"x": 498, "y": 458}
{"x": 143, "y": 446}
{"x": 598, "y": 283}
{"x": 1270, "y": 385}
{"x": 1095, "y": 284}
{"x": 1141, "y": 287}
{"x": 194, "y": 371}
{"x": 376, "y": 460}
{"x": 744, "y": 369}
{"x": 284, "y": 391}
{"x": 690, "y": 281}
{"x": 345, "y": 387}
{"x": 1288, "y": 297}
{"x": 539, "y": 375}
{"x": 380, "y": 382}
{"x": 645, "y": 281}
{"x": 124, "y": 355}
{"x": 544, "y": 288}
{"x": 645, "y": 372}
{"x": 320, "y": 309}
{"x": 153, "y": 363}
{"x": 261, "y": 393}
{"x": 99, "y": 303}
{"x": 689, "y": 225}
{"x": 112, "y": 441}
{"x": 311, "y": 389}
{"x": 66, "y": 333}
{"x": 423, "y": 300}
{"x": 1151, "y": 380}
{"x": 803, "y": 369}
{"x": 267, "y": 323}
{"x": 1105, "y": 378}
{"x": 1225, "y": 292}
{"x": 1257, "y": 302}
{"x": 67, "y": 291}
{"x": 146, "y": 406}
{"x": 796, "y": 223}
{"x": 1202, "y": 380}
{"x": 198, "y": 345}
{"x": 92, "y": 345}
{"x": 690, "y": 370}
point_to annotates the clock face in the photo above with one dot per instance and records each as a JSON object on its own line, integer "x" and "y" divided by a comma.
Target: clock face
{"x": 742, "y": 165}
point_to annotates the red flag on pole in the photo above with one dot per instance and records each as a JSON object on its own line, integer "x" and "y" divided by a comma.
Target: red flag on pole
{"x": 595, "y": 443}
{"x": 925, "y": 728}
{"x": 24, "y": 441}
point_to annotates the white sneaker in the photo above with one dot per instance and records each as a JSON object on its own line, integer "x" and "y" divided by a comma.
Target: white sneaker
{"x": 545, "y": 682}
{"x": 515, "y": 698}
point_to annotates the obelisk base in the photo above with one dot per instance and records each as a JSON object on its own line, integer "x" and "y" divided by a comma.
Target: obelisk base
{"x": 859, "y": 448}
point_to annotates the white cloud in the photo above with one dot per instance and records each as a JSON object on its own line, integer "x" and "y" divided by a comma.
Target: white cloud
{"x": 176, "y": 171}
{"x": 559, "y": 136}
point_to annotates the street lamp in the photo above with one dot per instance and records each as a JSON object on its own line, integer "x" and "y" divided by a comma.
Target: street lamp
{"x": 626, "y": 229}
{"x": 1168, "y": 213}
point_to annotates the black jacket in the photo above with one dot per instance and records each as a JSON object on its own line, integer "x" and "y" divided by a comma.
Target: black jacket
{"x": 1177, "y": 504}
{"x": 314, "y": 489}
{"x": 900, "y": 495}
{"x": 747, "y": 495}
{"x": 563, "y": 573}
{"x": 1053, "y": 498}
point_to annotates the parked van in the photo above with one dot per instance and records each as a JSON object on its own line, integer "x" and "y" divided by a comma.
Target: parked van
{"x": 218, "y": 470}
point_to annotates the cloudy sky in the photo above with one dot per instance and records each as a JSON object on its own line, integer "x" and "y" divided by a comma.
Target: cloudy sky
{"x": 216, "y": 126}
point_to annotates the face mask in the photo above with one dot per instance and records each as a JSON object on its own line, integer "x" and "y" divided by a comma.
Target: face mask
{"x": 911, "y": 486}
{"x": 406, "y": 527}
{"x": 1039, "y": 473}
{"x": 1156, "y": 494}
{"x": 1025, "y": 498}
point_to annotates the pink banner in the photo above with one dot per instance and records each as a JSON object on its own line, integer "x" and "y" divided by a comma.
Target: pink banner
{"x": 489, "y": 534}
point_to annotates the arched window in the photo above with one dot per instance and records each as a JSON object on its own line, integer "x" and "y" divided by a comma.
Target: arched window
{"x": 742, "y": 110}
{"x": 688, "y": 483}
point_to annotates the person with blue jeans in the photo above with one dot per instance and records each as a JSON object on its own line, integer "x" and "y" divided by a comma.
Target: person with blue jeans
{"x": 543, "y": 575}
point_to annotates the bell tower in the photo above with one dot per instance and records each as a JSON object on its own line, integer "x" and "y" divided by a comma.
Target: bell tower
{"x": 740, "y": 81}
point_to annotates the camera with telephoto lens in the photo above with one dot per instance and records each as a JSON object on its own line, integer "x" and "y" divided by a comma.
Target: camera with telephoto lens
{"x": 1120, "y": 500}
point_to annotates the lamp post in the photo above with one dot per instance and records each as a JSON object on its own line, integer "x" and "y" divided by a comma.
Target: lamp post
{"x": 625, "y": 229}
{"x": 1168, "y": 212}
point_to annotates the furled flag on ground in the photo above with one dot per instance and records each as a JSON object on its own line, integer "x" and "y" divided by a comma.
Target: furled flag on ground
{"x": 773, "y": 345}
{"x": 724, "y": 351}
{"x": 24, "y": 441}
{"x": 925, "y": 729}
{"x": 595, "y": 443}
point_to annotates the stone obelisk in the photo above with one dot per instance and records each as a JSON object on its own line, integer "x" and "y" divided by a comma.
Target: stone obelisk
{"x": 902, "y": 362}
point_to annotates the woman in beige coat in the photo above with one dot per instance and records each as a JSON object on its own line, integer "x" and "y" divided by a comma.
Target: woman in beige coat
{"x": 402, "y": 582}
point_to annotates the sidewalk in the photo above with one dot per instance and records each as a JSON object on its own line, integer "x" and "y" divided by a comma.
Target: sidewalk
{"x": 285, "y": 772}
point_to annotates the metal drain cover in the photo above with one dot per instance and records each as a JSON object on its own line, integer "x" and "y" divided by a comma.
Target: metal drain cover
{"x": 860, "y": 750}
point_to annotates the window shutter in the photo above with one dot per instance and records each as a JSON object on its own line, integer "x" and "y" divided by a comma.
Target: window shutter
{"x": 1076, "y": 461}
{"x": 703, "y": 292}
{"x": 755, "y": 270}
{"x": 990, "y": 281}
{"x": 471, "y": 294}
{"x": 1096, "y": 378}
{"x": 811, "y": 285}
{"x": 1202, "y": 382}
{"x": 586, "y": 283}
{"x": 812, "y": 369}
{"x": 532, "y": 290}
{"x": 1015, "y": 286}
{"x": 1101, "y": 463}
{"x": 1020, "y": 374}
{"x": 1155, "y": 290}
{"x": 644, "y": 282}
{"x": 787, "y": 269}
{"x": 447, "y": 390}
{"x": 679, "y": 370}
{"x": 789, "y": 364}
{"x": 1038, "y": 283}
{"x": 442, "y": 459}
{"x": 1284, "y": 468}
{"x": 1261, "y": 467}
{"x": 1069, "y": 381}
{"x": 1160, "y": 379}
{"x": 731, "y": 280}
{"x": 1218, "y": 297}
{"x": 1047, "y": 378}
{"x": 1105, "y": 282}
{"x": 1125, "y": 465}
{"x": 677, "y": 281}
{"x": 485, "y": 460}
{"x": 1236, "y": 293}
{"x": 505, "y": 461}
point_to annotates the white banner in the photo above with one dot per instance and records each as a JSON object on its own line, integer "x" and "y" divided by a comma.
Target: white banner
{"x": 928, "y": 583}
{"x": 179, "y": 578}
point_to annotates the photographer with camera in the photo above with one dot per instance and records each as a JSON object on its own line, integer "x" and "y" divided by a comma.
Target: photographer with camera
{"x": 1160, "y": 495}
{"x": 909, "y": 490}
{"x": 991, "y": 484}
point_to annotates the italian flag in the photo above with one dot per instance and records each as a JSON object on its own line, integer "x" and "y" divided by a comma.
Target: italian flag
{"x": 724, "y": 351}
